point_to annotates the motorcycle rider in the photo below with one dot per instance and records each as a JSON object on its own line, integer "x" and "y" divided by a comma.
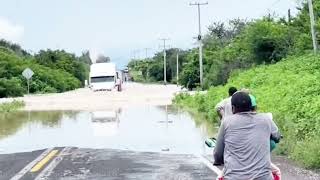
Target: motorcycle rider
{"x": 243, "y": 143}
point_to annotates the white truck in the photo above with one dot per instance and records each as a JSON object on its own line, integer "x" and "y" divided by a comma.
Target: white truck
{"x": 103, "y": 77}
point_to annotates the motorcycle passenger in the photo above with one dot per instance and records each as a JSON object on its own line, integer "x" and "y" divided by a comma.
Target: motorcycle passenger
{"x": 224, "y": 107}
{"x": 275, "y": 170}
{"x": 243, "y": 143}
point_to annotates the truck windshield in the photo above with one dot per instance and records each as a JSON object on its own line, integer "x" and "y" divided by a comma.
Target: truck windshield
{"x": 102, "y": 79}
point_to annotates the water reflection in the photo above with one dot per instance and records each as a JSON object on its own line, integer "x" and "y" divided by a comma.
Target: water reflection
{"x": 10, "y": 123}
{"x": 105, "y": 123}
{"x": 155, "y": 129}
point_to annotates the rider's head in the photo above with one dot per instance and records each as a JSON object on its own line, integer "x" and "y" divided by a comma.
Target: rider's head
{"x": 232, "y": 90}
{"x": 241, "y": 102}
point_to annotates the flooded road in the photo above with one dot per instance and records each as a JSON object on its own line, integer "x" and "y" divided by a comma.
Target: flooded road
{"x": 145, "y": 129}
{"x": 158, "y": 142}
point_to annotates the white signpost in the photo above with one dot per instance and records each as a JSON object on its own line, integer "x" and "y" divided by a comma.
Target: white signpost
{"x": 28, "y": 73}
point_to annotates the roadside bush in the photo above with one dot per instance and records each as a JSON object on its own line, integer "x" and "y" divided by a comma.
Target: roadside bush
{"x": 11, "y": 106}
{"x": 49, "y": 89}
{"x": 268, "y": 41}
{"x": 44, "y": 79}
{"x": 290, "y": 90}
{"x": 307, "y": 153}
{"x": 10, "y": 87}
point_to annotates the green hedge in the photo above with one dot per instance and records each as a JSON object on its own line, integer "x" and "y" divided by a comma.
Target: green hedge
{"x": 10, "y": 87}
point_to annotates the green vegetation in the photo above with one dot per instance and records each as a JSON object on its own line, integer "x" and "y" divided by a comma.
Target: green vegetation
{"x": 271, "y": 57}
{"x": 290, "y": 90}
{"x": 55, "y": 71}
{"x": 237, "y": 45}
{"x": 151, "y": 70}
{"x": 228, "y": 47}
{"x": 11, "y": 106}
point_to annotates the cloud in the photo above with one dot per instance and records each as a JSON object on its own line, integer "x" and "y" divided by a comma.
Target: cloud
{"x": 10, "y": 31}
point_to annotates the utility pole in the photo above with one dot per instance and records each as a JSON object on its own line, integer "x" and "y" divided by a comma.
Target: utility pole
{"x": 164, "y": 60}
{"x": 139, "y": 54}
{"x": 313, "y": 32}
{"x": 147, "y": 63}
{"x": 200, "y": 40}
{"x": 147, "y": 49}
{"x": 136, "y": 57}
{"x": 178, "y": 67}
{"x": 289, "y": 16}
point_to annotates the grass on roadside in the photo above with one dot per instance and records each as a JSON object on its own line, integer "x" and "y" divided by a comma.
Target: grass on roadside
{"x": 11, "y": 106}
{"x": 290, "y": 90}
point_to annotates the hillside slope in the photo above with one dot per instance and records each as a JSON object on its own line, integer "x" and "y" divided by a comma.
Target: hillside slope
{"x": 290, "y": 90}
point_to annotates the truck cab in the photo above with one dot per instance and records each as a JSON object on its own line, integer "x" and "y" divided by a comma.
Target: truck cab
{"x": 103, "y": 76}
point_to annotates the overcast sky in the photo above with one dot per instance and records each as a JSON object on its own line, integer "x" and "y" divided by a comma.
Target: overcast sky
{"x": 115, "y": 28}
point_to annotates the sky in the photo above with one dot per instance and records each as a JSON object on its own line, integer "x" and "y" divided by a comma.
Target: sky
{"x": 117, "y": 28}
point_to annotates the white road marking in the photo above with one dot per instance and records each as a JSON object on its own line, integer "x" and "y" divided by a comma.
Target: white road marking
{"x": 205, "y": 161}
{"x": 50, "y": 167}
{"x": 27, "y": 168}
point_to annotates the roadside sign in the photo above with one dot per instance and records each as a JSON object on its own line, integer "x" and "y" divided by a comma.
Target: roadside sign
{"x": 27, "y": 73}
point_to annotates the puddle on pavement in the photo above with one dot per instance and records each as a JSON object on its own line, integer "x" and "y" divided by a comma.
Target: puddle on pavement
{"x": 149, "y": 129}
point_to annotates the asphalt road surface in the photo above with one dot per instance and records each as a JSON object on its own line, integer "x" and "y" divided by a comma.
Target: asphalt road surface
{"x": 74, "y": 163}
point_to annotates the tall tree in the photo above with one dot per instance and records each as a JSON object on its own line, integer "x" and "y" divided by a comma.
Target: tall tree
{"x": 85, "y": 57}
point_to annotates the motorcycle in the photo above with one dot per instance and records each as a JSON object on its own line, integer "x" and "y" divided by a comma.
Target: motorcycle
{"x": 211, "y": 143}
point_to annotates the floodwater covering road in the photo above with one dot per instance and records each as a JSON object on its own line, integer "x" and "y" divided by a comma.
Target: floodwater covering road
{"x": 148, "y": 129}
{"x": 134, "y": 134}
{"x": 81, "y": 134}
{"x": 158, "y": 142}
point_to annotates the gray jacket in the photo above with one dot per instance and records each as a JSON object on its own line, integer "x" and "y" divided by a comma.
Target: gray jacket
{"x": 243, "y": 146}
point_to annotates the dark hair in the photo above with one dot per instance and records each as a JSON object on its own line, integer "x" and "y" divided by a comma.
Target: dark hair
{"x": 232, "y": 90}
{"x": 241, "y": 102}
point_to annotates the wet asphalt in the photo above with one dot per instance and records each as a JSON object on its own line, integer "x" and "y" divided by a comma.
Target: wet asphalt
{"x": 108, "y": 165}
{"x": 12, "y": 163}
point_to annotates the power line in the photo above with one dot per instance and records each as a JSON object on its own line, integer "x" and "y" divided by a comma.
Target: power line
{"x": 274, "y": 3}
{"x": 268, "y": 10}
{"x": 147, "y": 49}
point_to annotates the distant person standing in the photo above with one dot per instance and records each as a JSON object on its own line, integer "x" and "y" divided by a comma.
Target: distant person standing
{"x": 224, "y": 108}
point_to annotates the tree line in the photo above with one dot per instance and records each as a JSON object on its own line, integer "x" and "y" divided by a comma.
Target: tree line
{"x": 54, "y": 70}
{"x": 233, "y": 46}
